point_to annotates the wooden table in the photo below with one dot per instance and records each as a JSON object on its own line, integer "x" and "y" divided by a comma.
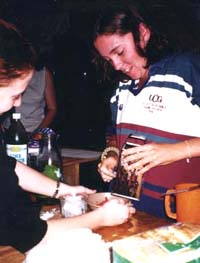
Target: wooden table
{"x": 72, "y": 158}
{"x": 138, "y": 223}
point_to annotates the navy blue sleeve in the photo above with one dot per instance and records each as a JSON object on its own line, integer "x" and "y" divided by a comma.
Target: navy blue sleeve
{"x": 189, "y": 66}
{"x": 195, "y": 79}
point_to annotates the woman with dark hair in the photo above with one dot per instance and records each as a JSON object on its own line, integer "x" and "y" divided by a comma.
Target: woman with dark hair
{"x": 20, "y": 223}
{"x": 157, "y": 98}
{"x": 122, "y": 20}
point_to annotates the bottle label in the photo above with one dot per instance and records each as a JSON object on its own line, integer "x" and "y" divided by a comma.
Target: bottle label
{"x": 19, "y": 152}
{"x": 52, "y": 172}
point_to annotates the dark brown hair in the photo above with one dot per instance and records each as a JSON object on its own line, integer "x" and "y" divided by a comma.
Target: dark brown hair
{"x": 17, "y": 56}
{"x": 123, "y": 19}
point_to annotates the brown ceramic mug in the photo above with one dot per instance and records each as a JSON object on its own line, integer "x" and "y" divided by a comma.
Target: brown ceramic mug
{"x": 187, "y": 204}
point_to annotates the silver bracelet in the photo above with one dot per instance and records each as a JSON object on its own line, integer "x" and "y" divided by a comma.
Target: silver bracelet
{"x": 188, "y": 148}
{"x": 57, "y": 189}
{"x": 107, "y": 150}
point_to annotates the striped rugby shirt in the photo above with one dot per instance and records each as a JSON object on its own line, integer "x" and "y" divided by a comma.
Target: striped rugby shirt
{"x": 166, "y": 109}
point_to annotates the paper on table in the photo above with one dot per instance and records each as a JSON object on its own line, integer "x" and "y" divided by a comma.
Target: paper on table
{"x": 79, "y": 153}
{"x": 147, "y": 247}
{"x": 176, "y": 247}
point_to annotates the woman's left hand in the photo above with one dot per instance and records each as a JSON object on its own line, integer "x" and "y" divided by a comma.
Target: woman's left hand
{"x": 143, "y": 158}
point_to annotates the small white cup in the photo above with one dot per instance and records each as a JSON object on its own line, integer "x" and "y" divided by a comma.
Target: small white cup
{"x": 73, "y": 206}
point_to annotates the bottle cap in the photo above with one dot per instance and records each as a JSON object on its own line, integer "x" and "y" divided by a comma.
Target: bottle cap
{"x": 16, "y": 116}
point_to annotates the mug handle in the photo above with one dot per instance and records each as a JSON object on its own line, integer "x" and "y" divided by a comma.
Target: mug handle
{"x": 168, "y": 204}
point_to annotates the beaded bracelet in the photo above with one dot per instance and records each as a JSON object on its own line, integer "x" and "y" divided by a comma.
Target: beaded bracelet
{"x": 107, "y": 150}
{"x": 57, "y": 189}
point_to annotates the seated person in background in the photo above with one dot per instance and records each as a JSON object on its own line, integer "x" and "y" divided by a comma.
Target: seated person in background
{"x": 38, "y": 107}
{"x": 20, "y": 224}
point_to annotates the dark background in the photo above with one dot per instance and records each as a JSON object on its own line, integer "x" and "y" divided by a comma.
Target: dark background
{"x": 59, "y": 30}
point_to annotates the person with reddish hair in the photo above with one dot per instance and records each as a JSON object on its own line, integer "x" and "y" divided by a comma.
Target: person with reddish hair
{"x": 20, "y": 222}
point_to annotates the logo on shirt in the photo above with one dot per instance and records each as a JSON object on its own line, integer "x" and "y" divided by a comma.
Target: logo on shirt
{"x": 155, "y": 103}
{"x": 155, "y": 98}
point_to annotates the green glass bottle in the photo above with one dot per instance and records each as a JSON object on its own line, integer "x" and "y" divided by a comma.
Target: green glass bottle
{"x": 49, "y": 162}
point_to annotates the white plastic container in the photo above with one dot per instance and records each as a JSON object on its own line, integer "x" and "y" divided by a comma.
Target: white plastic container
{"x": 73, "y": 206}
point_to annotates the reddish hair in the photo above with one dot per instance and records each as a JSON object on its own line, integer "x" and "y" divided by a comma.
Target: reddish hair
{"x": 17, "y": 56}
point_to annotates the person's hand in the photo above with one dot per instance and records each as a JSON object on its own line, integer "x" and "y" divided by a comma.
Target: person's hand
{"x": 114, "y": 212}
{"x": 107, "y": 169}
{"x": 143, "y": 158}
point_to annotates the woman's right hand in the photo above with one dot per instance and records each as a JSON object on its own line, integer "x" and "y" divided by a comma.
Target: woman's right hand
{"x": 114, "y": 212}
{"x": 106, "y": 168}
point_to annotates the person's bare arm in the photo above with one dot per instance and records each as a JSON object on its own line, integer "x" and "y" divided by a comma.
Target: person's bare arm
{"x": 50, "y": 99}
{"x": 145, "y": 157}
{"x": 111, "y": 213}
{"x": 34, "y": 181}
